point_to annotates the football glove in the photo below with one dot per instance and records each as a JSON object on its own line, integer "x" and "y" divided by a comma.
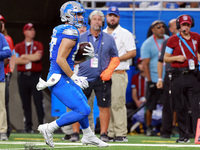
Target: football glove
{"x": 89, "y": 51}
{"x": 80, "y": 81}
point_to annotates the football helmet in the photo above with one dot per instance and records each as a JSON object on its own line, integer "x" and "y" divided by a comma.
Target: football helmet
{"x": 69, "y": 10}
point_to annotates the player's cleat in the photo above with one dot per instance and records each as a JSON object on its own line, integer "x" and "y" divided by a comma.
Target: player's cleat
{"x": 48, "y": 136}
{"x": 93, "y": 140}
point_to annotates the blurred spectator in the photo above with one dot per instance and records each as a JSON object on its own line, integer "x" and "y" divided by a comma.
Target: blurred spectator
{"x": 119, "y": 4}
{"x": 138, "y": 92}
{"x": 149, "y": 5}
{"x": 29, "y": 66}
{"x": 194, "y": 5}
{"x": 173, "y": 5}
{"x": 5, "y": 52}
{"x": 9, "y": 66}
{"x": 138, "y": 85}
{"x": 150, "y": 51}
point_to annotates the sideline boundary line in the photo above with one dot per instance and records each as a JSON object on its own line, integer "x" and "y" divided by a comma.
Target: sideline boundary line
{"x": 120, "y": 144}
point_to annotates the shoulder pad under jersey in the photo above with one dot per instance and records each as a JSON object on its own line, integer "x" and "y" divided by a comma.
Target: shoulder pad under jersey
{"x": 70, "y": 31}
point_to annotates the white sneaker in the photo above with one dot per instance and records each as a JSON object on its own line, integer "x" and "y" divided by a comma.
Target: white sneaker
{"x": 3, "y": 137}
{"x": 93, "y": 140}
{"x": 48, "y": 136}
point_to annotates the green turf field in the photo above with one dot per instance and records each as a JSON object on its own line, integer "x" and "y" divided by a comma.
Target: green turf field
{"x": 19, "y": 141}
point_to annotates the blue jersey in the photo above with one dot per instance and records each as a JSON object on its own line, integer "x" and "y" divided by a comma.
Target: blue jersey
{"x": 60, "y": 32}
{"x": 68, "y": 92}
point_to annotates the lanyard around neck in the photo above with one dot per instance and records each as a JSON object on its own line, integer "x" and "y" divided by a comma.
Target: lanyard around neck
{"x": 26, "y": 49}
{"x": 159, "y": 48}
{"x": 99, "y": 40}
{"x": 190, "y": 49}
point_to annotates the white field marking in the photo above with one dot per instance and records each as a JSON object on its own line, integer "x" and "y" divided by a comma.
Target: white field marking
{"x": 120, "y": 144}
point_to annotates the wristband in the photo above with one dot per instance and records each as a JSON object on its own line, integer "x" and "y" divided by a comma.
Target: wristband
{"x": 73, "y": 77}
{"x": 159, "y": 79}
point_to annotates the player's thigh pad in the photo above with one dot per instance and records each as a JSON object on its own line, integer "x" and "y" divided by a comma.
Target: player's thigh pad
{"x": 71, "y": 95}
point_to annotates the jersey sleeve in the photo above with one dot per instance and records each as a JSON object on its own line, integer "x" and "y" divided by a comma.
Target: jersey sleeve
{"x": 70, "y": 33}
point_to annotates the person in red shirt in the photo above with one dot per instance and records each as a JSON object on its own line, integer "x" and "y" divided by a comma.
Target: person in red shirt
{"x": 138, "y": 85}
{"x": 9, "y": 66}
{"x": 29, "y": 66}
{"x": 181, "y": 51}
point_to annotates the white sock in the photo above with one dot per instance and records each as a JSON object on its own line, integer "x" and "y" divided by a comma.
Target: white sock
{"x": 53, "y": 126}
{"x": 87, "y": 131}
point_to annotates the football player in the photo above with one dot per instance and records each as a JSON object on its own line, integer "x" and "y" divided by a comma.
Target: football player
{"x": 62, "y": 81}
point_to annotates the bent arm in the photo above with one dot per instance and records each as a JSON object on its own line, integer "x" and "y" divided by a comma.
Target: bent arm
{"x": 128, "y": 55}
{"x": 135, "y": 97}
{"x": 21, "y": 61}
{"x": 169, "y": 58}
{"x": 63, "y": 52}
{"x": 32, "y": 57}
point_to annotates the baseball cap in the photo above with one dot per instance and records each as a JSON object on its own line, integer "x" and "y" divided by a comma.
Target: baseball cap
{"x": 156, "y": 22}
{"x": 113, "y": 10}
{"x": 27, "y": 26}
{"x": 2, "y": 18}
{"x": 185, "y": 19}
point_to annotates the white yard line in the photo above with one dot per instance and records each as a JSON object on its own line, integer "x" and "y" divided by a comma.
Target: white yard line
{"x": 117, "y": 144}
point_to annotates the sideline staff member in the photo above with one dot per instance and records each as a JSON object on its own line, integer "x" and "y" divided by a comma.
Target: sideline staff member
{"x": 99, "y": 69}
{"x": 126, "y": 48}
{"x": 28, "y": 59}
{"x": 184, "y": 70}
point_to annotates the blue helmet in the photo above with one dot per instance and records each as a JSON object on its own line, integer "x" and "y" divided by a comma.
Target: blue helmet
{"x": 68, "y": 10}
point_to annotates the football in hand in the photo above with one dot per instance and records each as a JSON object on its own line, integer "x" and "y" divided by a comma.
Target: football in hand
{"x": 79, "y": 56}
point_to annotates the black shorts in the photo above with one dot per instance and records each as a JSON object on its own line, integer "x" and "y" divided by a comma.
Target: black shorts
{"x": 102, "y": 91}
{"x": 153, "y": 98}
